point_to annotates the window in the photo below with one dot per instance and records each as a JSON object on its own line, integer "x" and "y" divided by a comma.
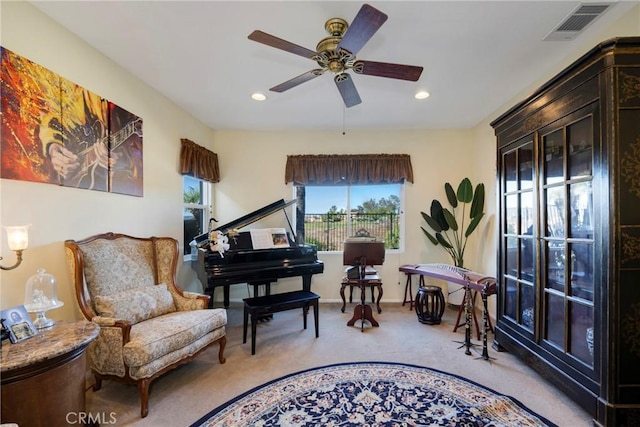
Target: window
{"x": 333, "y": 213}
{"x": 196, "y": 209}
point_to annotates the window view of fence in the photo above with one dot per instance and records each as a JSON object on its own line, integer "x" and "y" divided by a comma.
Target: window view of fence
{"x": 328, "y": 231}
{"x": 195, "y": 198}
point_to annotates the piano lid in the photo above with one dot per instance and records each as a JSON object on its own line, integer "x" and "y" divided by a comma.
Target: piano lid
{"x": 257, "y": 215}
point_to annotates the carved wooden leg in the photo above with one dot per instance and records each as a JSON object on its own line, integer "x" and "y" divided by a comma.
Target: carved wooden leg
{"x": 344, "y": 302}
{"x": 143, "y": 386}
{"x": 98, "y": 382}
{"x": 223, "y": 343}
{"x": 379, "y": 297}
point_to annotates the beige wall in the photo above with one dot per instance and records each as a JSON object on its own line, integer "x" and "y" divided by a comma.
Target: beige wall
{"x": 252, "y": 167}
{"x": 59, "y": 213}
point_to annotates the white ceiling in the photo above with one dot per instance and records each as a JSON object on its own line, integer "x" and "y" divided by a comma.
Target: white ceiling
{"x": 477, "y": 55}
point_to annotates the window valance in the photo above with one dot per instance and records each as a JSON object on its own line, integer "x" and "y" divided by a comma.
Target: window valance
{"x": 198, "y": 162}
{"x": 337, "y": 169}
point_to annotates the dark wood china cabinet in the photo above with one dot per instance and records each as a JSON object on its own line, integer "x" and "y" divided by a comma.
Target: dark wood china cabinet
{"x": 569, "y": 233}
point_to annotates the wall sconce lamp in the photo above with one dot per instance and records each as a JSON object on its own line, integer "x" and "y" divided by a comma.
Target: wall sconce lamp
{"x": 18, "y": 238}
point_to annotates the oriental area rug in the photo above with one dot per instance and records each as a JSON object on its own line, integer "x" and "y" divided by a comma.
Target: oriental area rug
{"x": 372, "y": 394}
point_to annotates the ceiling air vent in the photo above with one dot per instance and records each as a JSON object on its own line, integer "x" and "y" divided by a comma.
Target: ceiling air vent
{"x": 577, "y": 21}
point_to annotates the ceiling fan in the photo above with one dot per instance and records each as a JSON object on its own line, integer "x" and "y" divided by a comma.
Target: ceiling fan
{"x": 336, "y": 53}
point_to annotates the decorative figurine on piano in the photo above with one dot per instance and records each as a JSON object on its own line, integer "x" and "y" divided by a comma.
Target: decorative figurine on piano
{"x": 218, "y": 242}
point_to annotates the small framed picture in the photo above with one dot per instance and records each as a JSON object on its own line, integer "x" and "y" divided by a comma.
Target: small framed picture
{"x": 18, "y": 323}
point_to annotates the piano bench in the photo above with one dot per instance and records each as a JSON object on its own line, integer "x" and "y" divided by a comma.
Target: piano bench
{"x": 258, "y": 307}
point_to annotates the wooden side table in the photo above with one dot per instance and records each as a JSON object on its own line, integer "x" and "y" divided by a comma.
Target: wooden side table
{"x": 43, "y": 378}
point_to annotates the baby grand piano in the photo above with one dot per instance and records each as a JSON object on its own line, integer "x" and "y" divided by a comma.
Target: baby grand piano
{"x": 243, "y": 264}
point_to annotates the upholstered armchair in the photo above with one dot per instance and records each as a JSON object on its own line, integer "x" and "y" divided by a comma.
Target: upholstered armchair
{"x": 148, "y": 326}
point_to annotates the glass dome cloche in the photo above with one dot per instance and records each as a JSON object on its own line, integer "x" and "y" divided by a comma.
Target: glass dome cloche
{"x": 40, "y": 296}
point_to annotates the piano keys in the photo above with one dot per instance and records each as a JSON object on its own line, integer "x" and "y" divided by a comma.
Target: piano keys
{"x": 241, "y": 263}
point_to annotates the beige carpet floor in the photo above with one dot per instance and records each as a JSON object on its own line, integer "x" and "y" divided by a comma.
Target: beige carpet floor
{"x": 182, "y": 396}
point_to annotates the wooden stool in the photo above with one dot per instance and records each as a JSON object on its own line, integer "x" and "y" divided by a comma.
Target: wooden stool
{"x": 429, "y": 305}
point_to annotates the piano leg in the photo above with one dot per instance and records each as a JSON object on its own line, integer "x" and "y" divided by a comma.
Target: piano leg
{"x": 225, "y": 290}
{"x": 306, "y": 282}
{"x": 256, "y": 289}
{"x": 212, "y": 293}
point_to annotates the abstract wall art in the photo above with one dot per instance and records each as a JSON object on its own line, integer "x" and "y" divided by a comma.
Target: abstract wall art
{"x": 57, "y": 132}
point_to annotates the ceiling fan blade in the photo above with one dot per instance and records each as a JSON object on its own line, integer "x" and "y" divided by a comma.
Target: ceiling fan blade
{"x": 363, "y": 27}
{"x": 278, "y": 43}
{"x": 347, "y": 89}
{"x": 386, "y": 69}
{"x": 297, "y": 80}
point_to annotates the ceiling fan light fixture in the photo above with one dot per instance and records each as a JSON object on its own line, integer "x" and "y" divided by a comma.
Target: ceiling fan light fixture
{"x": 258, "y": 96}
{"x": 337, "y": 53}
{"x": 423, "y": 94}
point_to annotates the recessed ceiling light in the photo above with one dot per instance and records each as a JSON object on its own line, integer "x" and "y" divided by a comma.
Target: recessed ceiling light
{"x": 422, "y": 95}
{"x": 258, "y": 96}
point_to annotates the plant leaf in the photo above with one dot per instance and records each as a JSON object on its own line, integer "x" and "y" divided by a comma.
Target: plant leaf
{"x": 472, "y": 226}
{"x": 442, "y": 241}
{"x": 477, "y": 205}
{"x": 451, "y": 195}
{"x": 436, "y": 214}
{"x": 432, "y": 222}
{"x": 430, "y": 236}
{"x": 451, "y": 220}
{"x": 465, "y": 191}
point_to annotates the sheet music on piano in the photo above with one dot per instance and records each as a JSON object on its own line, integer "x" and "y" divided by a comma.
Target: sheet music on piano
{"x": 268, "y": 238}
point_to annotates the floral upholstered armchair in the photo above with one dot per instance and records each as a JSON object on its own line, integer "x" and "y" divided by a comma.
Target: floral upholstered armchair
{"x": 148, "y": 326}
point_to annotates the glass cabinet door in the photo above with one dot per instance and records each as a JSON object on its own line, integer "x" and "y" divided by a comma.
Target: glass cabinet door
{"x": 547, "y": 237}
{"x": 518, "y": 234}
{"x": 567, "y": 238}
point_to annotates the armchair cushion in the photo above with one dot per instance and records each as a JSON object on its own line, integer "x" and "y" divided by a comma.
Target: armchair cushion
{"x": 136, "y": 305}
{"x": 159, "y": 336}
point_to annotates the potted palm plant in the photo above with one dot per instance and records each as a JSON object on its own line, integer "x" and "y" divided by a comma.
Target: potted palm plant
{"x": 451, "y": 227}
